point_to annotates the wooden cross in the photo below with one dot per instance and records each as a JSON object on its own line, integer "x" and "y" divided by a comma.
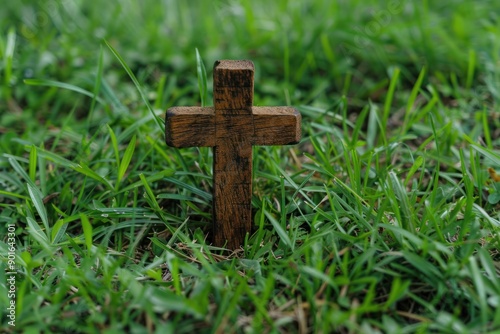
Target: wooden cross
{"x": 231, "y": 127}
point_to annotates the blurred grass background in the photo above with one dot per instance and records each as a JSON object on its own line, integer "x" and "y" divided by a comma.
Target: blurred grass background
{"x": 306, "y": 52}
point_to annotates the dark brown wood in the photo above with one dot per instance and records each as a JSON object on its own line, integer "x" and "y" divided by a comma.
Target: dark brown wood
{"x": 232, "y": 127}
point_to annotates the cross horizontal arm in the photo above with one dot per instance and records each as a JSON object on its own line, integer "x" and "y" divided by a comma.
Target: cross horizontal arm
{"x": 276, "y": 125}
{"x": 190, "y": 126}
{"x": 194, "y": 126}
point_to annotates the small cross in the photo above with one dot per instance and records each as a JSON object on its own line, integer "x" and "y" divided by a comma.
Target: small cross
{"x": 232, "y": 127}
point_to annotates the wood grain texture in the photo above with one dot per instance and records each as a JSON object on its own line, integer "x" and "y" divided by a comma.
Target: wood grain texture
{"x": 232, "y": 127}
{"x": 190, "y": 126}
{"x": 276, "y": 126}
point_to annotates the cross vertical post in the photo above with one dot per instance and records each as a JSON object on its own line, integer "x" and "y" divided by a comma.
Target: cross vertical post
{"x": 232, "y": 189}
{"x": 232, "y": 127}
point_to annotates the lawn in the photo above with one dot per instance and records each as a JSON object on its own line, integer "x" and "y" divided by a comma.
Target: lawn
{"x": 385, "y": 218}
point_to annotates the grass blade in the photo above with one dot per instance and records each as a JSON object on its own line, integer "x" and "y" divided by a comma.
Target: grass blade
{"x": 87, "y": 231}
{"x": 63, "y": 85}
{"x": 114, "y": 143}
{"x": 202, "y": 79}
{"x": 477, "y": 278}
{"x": 470, "y": 69}
{"x": 402, "y": 200}
{"x": 388, "y": 102}
{"x": 281, "y": 232}
{"x": 127, "y": 157}
{"x": 20, "y": 170}
{"x": 85, "y": 170}
{"x": 8, "y": 57}
{"x": 37, "y": 198}
{"x": 160, "y": 124}
{"x": 58, "y": 231}
{"x": 37, "y": 233}
{"x": 33, "y": 164}
{"x": 411, "y": 101}
{"x": 489, "y": 154}
{"x": 203, "y": 194}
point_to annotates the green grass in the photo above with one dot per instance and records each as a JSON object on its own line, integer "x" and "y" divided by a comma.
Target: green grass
{"x": 383, "y": 219}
